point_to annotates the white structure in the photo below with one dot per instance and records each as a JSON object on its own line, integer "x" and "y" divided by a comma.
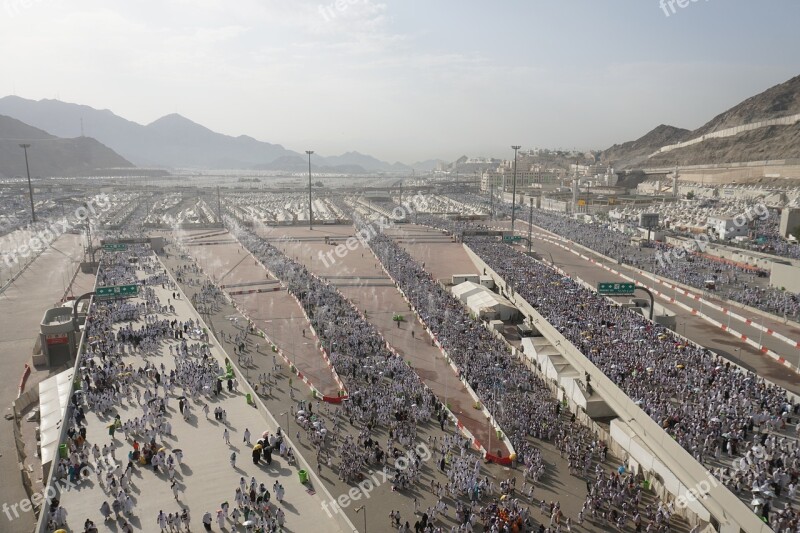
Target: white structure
{"x": 54, "y": 393}
{"x": 726, "y": 227}
{"x": 483, "y": 302}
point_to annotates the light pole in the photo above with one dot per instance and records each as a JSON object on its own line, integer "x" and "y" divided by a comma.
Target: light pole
{"x": 491, "y": 199}
{"x": 514, "y": 189}
{"x": 358, "y": 510}
{"x": 287, "y": 422}
{"x": 310, "y": 212}
{"x": 530, "y": 224}
{"x": 25, "y": 147}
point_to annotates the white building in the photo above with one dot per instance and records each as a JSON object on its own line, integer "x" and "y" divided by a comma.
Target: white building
{"x": 726, "y": 227}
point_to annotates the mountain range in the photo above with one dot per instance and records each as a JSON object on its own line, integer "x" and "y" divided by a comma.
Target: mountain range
{"x": 174, "y": 141}
{"x": 50, "y": 155}
{"x": 763, "y": 143}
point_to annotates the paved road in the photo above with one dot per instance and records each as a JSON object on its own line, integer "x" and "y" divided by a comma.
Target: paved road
{"x": 23, "y": 305}
{"x": 275, "y": 312}
{"x": 206, "y": 478}
{"x": 694, "y": 327}
{"x": 359, "y": 276}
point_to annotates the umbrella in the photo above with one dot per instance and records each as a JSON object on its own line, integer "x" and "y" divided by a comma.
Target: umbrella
{"x": 177, "y": 450}
{"x": 248, "y": 523}
{"x": 258, "y": 446}
{"x": 757, "y": 501}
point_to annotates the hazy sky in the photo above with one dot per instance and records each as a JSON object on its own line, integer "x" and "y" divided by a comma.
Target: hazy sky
{"x": 407, "y": 79}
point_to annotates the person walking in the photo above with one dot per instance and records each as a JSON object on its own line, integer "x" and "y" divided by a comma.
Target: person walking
{"x": 226, "y": 436}
{"x": 207, "y": 521}
{"x": 233, "y": 459}
{"x": 247, "y": 436}
{"x": 175, "y": 488}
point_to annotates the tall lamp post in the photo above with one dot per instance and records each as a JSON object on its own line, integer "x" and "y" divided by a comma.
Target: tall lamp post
{"x": 530, "y": 225}
{"x": 514, "y": 189}
{"x": 30, "y": 187}
{"x": 358, "y": 510}
{"x": 310, "y": 212}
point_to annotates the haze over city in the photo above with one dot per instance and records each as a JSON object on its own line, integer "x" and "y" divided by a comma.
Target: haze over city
{"x": 404, "y": 80}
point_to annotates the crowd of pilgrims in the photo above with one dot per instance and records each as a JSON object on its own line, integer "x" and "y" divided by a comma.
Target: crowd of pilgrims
{"x": 711, "y": 408}
{"x": 385, "y": 392}
{"x": 735, "y": 281}
{"x": 107, "y": 382}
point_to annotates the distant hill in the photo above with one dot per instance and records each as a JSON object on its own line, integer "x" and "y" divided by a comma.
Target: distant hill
{"x": 173, "y": 140}
{"x": 50, "y": 155}
{"x": 770, "y": 142}
{"x": 636, "y": 152}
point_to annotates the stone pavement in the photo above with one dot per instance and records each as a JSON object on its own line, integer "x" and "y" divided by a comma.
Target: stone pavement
{"x": 206, "y": 477}
{"x": 23, "y": 305}
{"x": 275, "y": 311}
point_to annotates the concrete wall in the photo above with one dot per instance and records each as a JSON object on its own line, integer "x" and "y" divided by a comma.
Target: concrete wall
{"x": 730, "y": 132}
{"x": 787, "y": 276}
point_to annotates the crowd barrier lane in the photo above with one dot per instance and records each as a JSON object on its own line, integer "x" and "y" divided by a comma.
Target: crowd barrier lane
{"x": 761, "y": 348}
{"x": 468, "y": 434}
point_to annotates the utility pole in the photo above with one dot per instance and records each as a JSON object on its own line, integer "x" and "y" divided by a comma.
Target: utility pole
{"x": 30, "y": 187}
{"x": 219, "y": 206}
{"x": 310, "y": 212}
{"x": 491, "y": 200}
{"x": 530, "y": 224}
{"x": 514, "y": 188}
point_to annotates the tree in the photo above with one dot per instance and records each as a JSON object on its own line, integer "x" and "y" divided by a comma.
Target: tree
{"x": 796, "y": 233}
{"x": 690, "y": 195}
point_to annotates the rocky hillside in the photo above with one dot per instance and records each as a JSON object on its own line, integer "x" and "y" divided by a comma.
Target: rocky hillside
{"x": 52, "y": 156}
{"x": 636, "y": 152}
{"x": 774, "y": 142}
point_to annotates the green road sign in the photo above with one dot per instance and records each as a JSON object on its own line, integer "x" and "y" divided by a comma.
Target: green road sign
{"x": 511, "y": 238}
{"x": 115, "y": 247}
{"x": 616, "y": 289}
{"x": 117, "y": 291}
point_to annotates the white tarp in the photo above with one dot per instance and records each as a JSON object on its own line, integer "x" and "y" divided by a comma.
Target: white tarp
{"x": 483, "y": 302}
{"x": 54, "y": 393}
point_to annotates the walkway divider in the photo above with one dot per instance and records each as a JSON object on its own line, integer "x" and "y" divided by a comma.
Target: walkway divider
{"x": 506, "y": 461}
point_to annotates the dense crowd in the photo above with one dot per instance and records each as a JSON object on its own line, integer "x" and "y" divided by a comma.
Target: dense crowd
{"x": 694, "y": 270}
{"x": 709, "y": 407}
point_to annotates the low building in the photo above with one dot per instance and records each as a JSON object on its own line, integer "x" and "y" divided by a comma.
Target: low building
{"x": 790, "y": 221}
{"x": 726, "y": 227}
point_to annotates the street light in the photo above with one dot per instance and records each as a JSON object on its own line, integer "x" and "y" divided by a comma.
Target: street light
{"x": 358, "y": 510}
{"x": 530, "y": 224}
{"x": 310, "y": 213}
{"x": 30, "y": 187}
{"x": 514, "y": 189}
{"x": 287, "y": 422}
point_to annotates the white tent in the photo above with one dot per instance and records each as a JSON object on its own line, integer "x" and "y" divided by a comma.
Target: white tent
{"x": 483, "y": 302}
{"x": 54, "y": 395}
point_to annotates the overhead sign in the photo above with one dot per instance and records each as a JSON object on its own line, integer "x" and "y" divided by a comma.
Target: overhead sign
{"x": 117, "y": 291}
{"x": 616, "y": 289}
{"x": 115, "y": 247}
{"x": 511, "y": 238}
